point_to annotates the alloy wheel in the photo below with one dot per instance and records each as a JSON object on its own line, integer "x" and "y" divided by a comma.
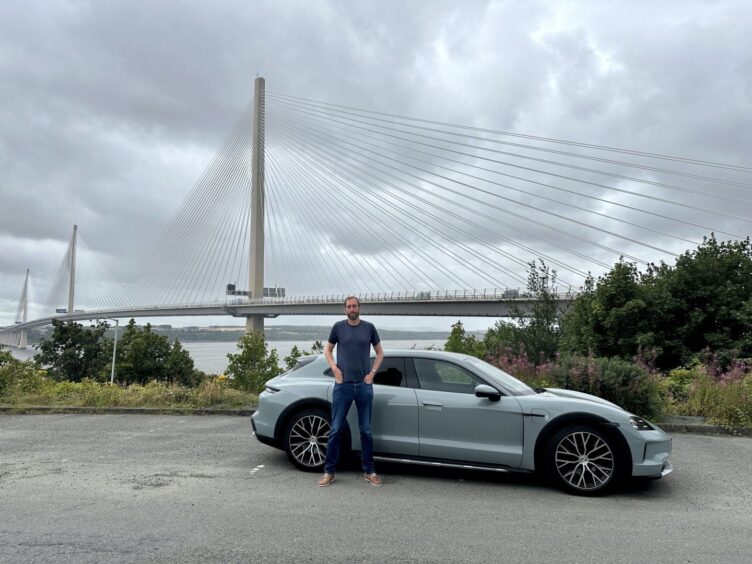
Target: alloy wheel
{"x": 307, "y": 440}
{"x": 584, "y": 461}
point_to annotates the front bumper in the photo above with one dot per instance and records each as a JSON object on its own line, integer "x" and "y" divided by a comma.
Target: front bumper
{"x": 655, "y": 459}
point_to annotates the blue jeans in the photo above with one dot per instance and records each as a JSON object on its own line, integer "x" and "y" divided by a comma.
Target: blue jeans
{"x": 342, "y": 397}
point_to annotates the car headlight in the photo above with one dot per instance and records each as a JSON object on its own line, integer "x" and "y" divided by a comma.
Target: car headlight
{"x": 640, "y": 424}
{"x": 270, "y": 390}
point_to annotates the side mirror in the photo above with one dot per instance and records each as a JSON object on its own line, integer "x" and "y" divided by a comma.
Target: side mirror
{"x": 486, "y": 391}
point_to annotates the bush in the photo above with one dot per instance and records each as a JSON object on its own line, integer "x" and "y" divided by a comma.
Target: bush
{"x": 626, "y": 384}
{"x": 254, "y": 364}
{"x": 630, "y": 386}
{"x": 88, "y": 393}
{"x": 723, "y": 401}
{"x": 676, "y": 388}
{"x": 17, "y": 375}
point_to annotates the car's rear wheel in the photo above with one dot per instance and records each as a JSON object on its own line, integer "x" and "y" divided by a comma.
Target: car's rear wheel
{"x": 583, "y": 460}
{"x": 306, "y": 437}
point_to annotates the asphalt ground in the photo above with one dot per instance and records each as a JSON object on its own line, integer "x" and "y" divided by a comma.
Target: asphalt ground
{"x": 144, "y": 488}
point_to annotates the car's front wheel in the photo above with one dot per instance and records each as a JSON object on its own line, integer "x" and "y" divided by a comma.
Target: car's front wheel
{"x": 306, "y": 437}
{"x": 583, "y": 460}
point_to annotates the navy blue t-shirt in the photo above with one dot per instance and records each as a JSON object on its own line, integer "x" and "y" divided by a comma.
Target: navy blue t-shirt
{"x": 354, "y": 348}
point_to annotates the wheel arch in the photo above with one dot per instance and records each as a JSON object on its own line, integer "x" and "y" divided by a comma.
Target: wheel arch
{"x": 580, "y": 418}
{"x": 293, "y": 408}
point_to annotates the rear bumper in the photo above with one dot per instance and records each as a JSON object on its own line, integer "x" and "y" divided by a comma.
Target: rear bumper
{"x": 271, "y": 441}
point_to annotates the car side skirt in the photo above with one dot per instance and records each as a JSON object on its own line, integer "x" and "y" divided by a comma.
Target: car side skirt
{"x": 447, "y": 464}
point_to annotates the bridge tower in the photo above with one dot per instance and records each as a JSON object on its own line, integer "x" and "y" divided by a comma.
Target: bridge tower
{"x": 256, "y": 258}
{"x": 23, "y": 311}
{"x": 72, "y": 270}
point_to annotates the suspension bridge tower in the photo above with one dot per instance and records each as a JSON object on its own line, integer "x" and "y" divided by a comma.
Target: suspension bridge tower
{"x": 22, "y": 316}
{"x": 72, "y": 270}
{"x": 256, "y": 258}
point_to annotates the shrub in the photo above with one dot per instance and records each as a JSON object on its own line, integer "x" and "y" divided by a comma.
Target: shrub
{"x": 630, "y": 386}
{"x": 676, "y": 388}
{"x": 724, "y": 401}
{"x": 16, "y": 375}
{"x": 536, "y": 376}
{"x": 253, "y": 365}
{"x": 626, "y": 384}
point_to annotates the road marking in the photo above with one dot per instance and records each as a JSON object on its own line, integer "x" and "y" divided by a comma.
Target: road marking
{"x": 259, "y": 467}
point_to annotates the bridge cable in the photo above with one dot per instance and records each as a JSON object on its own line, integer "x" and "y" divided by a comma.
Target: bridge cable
{"x": 549, "y": 173}
{"x": 698, "y": 162}
{"x": 545, "y": 226}
{"x": 433, "y": 231}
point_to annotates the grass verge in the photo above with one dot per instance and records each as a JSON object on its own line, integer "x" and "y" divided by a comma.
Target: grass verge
{"x": 34, "y": 389}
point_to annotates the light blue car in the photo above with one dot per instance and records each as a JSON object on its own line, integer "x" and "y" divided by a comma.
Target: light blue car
{"x": 445, "y": 409}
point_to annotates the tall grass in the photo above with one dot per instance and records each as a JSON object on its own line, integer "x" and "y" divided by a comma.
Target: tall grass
{"x": 29, "y": 387}
{"x": 724, "y": 398}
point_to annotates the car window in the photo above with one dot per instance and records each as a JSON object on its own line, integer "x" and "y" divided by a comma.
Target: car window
{"x": 443, "y": 376}
{"x": 391, "y": 372}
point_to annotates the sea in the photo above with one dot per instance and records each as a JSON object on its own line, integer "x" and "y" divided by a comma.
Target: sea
{"x": 211, "y": 356}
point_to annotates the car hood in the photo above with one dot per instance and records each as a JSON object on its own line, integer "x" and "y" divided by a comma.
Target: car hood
{"x": 559, "y": 392}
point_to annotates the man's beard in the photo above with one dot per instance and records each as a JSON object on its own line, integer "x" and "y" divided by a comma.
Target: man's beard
{"x": 353, "y": 315}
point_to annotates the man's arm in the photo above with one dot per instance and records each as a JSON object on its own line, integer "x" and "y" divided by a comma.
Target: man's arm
{"x": 376, "y": 363}
{"x": 328, "y": 349}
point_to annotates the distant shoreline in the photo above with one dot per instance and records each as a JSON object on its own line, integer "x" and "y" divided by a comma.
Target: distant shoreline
{"x": 299, "y": 333}
{"x": 286, "y": 333}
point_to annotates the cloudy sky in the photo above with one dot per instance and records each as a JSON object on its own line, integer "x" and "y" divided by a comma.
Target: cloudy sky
{"x": 110, "y": 111}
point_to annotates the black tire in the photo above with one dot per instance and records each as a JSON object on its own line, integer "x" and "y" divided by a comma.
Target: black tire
{"x": 305, "y": 439}
{"x": 583, "y": 460}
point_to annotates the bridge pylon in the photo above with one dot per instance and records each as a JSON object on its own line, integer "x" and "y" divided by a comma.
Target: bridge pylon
{"x": 256, "y": 256}
{"x": 72, "y": 270}
{"x": 23, "y": 308}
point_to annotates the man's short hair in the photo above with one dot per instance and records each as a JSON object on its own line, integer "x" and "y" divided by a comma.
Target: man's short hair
{"x": 348, "y": 298}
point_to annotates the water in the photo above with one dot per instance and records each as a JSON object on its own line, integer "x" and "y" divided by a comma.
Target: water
{"x": 211, "y": 356}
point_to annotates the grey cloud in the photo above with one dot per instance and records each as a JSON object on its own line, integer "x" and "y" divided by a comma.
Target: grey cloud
{"x": 109, "y": 111}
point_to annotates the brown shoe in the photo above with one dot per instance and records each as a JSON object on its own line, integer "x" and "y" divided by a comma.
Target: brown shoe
{"x": 373, "y": 479}
{"x": 326, "y": 480}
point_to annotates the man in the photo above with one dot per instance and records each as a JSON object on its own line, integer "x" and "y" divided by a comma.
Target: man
{"x": 353, "y": 377}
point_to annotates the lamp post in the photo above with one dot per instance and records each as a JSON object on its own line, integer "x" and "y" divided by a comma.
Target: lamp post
{"x": 114, "y": 352}
{"x": 114, "y": 348}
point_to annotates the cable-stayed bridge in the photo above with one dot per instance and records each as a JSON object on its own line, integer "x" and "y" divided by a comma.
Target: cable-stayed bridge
{"x": 306, "y": 202}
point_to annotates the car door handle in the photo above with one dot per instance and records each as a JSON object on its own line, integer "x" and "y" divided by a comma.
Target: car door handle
{"x": 433, "y": 404}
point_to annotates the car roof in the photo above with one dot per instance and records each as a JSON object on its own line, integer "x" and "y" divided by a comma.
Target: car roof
{"x": 423, "y": 353}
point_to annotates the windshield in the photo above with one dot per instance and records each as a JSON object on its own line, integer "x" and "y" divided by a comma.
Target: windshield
{"x": 509, "y": 382}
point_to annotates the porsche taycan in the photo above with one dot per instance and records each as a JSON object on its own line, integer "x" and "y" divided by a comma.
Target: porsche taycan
{"x": 445, "y": 409}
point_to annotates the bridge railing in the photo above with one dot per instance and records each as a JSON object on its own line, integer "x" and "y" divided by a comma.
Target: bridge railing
{"x": 490, "y": 294}
{"x": 486, "y": 294}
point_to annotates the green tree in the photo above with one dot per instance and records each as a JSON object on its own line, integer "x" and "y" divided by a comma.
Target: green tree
{"x": 143, "y": 355}
{"x": 535, "y": 331}
{"x": 290, "y": 361}
{"x": 704, "y": 302}
{"x": 74, "y": 352}
{"x": 7, "y": 366}
{"x": 675, "y": 314}
{"x": 610, "y": 318}
{"x": 5, "y": 356}
{"x": 179, "y": 367}
{"x": 254, "y": 364}
{"x": 460, "y": 342}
